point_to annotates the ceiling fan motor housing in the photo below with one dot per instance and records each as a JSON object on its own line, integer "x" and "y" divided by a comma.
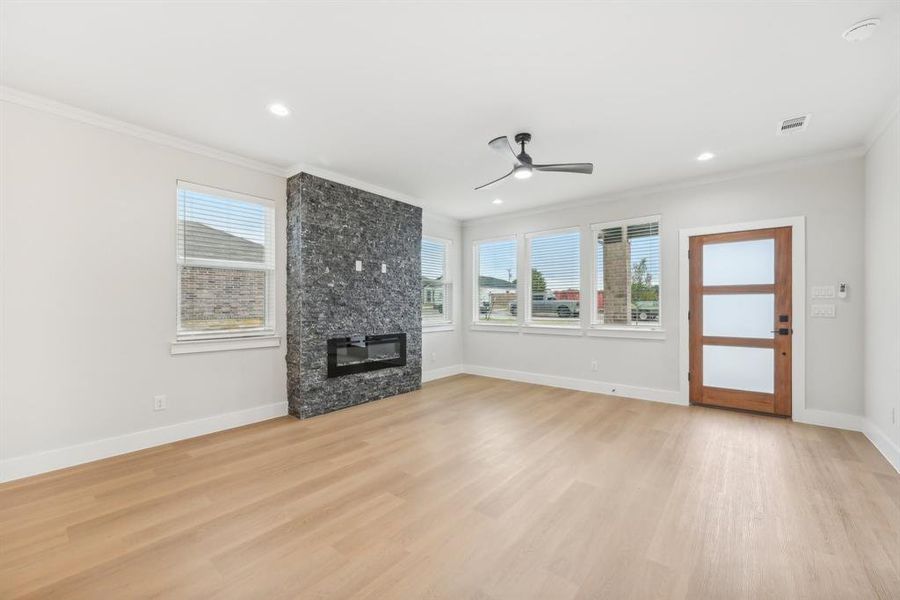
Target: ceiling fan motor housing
{"x": 522, "y": 139}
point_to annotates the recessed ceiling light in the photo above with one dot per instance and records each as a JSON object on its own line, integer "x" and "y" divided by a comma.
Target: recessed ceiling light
{"x": 861, "y": 31}
{"x": 279, "y": 110}
{"x": 496, "y": 201}
{"x": 706, "y": 156}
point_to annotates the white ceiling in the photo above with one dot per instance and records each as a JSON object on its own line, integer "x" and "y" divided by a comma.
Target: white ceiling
{"x": 406, "y": 95}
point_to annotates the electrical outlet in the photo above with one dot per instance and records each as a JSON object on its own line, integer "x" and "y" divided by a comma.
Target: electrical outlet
{"x": 434, "y": 357}
{"x": 159, "y": 402}
{"x": 595, "y": 366}
{"x": 893, "y": 416}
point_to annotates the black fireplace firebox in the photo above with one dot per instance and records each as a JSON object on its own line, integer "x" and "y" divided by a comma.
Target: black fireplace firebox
{"x": 361, "y": 353}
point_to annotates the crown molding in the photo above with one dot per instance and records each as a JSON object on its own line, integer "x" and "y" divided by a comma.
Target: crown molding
{"x": 680, "y": 184}
{"x": 883, "y": 123}
{"x": 35, "y": 102}
{"x": 32, "y": 101}
{"x": 440, "y": 217}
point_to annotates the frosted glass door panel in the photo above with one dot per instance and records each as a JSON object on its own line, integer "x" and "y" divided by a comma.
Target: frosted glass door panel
{"x": 738, "y": 368}
{"x": 739, "y": 263}
{"x": 739, "y": 315}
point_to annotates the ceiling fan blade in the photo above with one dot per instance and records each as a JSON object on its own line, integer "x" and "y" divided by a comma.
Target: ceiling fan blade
{"x": 489, "y": 184}
{"x": 501, "y": 145}
{"x": 585, "y": 168}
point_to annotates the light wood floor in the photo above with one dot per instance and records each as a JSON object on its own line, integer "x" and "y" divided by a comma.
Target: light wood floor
{"x": 470, "y": 488}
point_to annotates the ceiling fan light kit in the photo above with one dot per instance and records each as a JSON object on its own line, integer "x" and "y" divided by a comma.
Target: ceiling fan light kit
{"x": 523, "y": 166}
{"x": 522, "y": 172}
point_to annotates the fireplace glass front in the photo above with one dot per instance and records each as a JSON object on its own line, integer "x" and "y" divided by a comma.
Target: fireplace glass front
{"x": 361, "y": 353}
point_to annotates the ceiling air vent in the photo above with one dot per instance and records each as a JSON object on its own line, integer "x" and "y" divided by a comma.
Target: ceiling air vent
{"x": 795, "y": 124}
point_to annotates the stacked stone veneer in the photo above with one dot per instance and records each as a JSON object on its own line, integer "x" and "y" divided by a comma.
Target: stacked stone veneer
{"x": 330, "y": 227}
{"x": 210, "y": 295}
{"x": 616, "y": 277}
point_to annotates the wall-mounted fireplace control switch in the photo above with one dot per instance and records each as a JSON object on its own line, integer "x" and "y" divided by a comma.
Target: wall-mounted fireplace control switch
{"x": 384, "y": 267}
{"x": 359, "y": 265}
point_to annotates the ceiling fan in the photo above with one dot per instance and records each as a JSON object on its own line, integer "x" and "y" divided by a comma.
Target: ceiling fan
{"x": 523, "y": 168}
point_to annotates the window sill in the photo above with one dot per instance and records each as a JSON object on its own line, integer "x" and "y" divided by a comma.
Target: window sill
{"x": 552, "y": 329}
{"x": 511, "y": 328}
{"x": 221, "y": 345}
{"x": 438, "y": 327}
{"x": 627, "y": 332}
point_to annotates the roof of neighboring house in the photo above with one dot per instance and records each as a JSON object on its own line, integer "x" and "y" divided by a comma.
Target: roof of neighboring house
{"x": 203, "y": 241}
{"x": 495, "y": 282}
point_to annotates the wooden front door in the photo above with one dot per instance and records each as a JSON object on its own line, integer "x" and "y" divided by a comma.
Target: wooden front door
{"x": 741, "y": 321}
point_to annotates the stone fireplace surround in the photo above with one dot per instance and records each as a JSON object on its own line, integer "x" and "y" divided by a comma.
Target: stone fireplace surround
{"x": 330, "y": 226}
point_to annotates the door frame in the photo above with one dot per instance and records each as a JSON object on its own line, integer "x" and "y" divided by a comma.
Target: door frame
{"x": 798, "y": 303}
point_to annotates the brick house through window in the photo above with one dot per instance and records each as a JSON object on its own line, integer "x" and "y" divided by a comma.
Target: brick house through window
{"x": 224, "y": 264}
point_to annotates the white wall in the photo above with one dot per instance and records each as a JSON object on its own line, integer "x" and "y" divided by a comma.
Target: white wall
{"x": 830, "y": 196}
{"x": 442, "y": 350}
{"x": 87, "y": 237}
{"x": 882, "y": 326}
{"x": 87, "y": 227}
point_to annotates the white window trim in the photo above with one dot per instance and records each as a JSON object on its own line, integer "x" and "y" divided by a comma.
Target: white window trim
{"x": 635, "y": 331}
{"x": 220, "y": 345}
{"x": 210, "y": 341}
{"x": 229, "y": 194}
{"x": 476, "y": 274}
{"x": 526, "y": 321}
{"x": 448, "y": 323}
{"x": 509, "y": 328}
{"x": 598, "y": 329}
{"x": 549, "y": 329}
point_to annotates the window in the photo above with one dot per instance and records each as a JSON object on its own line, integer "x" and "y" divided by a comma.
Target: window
{"x": 436, "y": 287}
{"x": 627, "y": 273}
{"x": 226, "y": 264}
{"x": 555, "y": 281}
{"x": 496, "y": 287}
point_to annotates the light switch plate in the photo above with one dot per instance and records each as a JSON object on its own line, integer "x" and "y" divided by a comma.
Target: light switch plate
{"x": 359, "y": 265}
{"x": 823, "y": 291}
{"x": 384, "y": 267}
{"x": 822, "y": 311}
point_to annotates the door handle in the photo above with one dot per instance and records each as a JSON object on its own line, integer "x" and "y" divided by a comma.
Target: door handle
{"x": 782, "y": 331}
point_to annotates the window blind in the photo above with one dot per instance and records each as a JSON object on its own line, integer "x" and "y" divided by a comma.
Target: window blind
{"x": 496, "y": 281}
{"x": 555, "y": 260}
{"x": 225, "y": 263}
{"x": 627, "y": 274}
{"x": 436, "y": 291}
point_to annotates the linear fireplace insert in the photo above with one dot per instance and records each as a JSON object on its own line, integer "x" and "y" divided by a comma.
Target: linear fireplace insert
{"x": 361, "y": 353}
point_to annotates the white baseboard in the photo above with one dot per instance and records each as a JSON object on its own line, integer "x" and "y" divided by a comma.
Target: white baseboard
{"x": 433, "y": 374}
{"x": 60, "y": 458}
{"x": 582, "y": 385}
{"x": 827, "y": 418}
{"x": 888, "y": 448}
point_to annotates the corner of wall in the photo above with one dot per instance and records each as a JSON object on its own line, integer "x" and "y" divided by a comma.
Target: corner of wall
{"x": 884, "y": 444}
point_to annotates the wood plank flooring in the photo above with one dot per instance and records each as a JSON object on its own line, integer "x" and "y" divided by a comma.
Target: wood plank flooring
{"x": 469, "y": 488}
